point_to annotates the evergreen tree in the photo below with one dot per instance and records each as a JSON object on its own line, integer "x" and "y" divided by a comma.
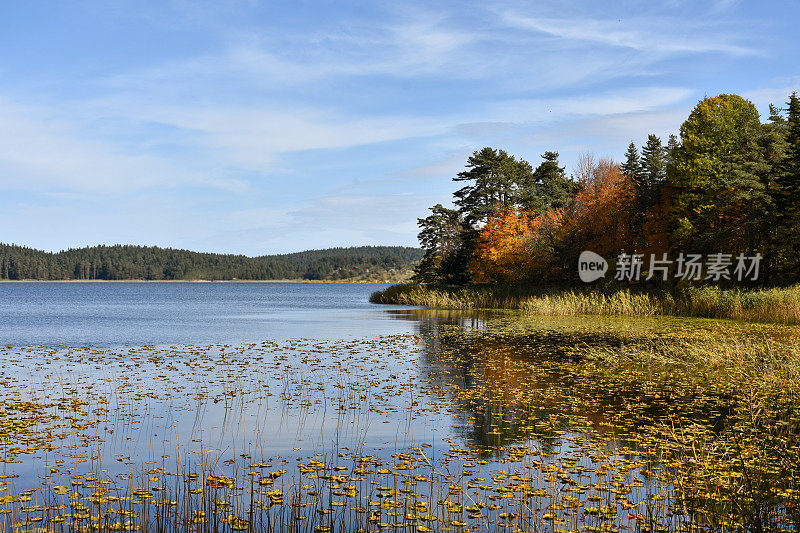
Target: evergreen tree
{"x": 548, "y": 187}
{"x": 632, "y": 167}
{"x": 673, "y": 144}
{"x": 673, "y": 155}
{"x": 786, "y": 189}
{"x": 789, "y": 175}
{"x": 493, "y": 179}
{"x": 445, "y": 237}
{"x": 654, "y": 163}
{"x": 440, "y": 231}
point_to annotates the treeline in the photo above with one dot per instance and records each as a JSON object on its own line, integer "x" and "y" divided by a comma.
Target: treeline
{"x": 728, "y": 187}
{"x": 126, "y": 262}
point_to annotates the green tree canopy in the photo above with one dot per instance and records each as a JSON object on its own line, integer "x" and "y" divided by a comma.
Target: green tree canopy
{"x": 444, "y": 235}
{"x": 548, "y": 188}
{"x": 719, "y": 176}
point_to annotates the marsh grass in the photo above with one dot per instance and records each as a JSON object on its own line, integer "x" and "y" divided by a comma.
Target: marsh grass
{"x": 737, "y": 467}
{"x": 778, "y": 305}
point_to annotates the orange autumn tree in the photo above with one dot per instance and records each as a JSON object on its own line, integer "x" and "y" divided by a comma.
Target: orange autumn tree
{"x": 545, "y": 247}
{"x": 499, "y": 254}
{"x": 601, "y": 218}
{"x": 517, "y": 246}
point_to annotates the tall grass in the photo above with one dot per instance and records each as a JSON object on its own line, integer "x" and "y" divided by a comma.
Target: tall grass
{"x": 780, "y": 305}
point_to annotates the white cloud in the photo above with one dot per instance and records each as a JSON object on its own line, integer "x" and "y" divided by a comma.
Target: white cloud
{"x": 558, "y": 109}
{"x": 41, "y": 152}
{"x": 253, "y": 137}
{"x": 719, "y": 6}
{"x": 664, "y": 36}
{"x": 334, "y": 220}
{"x": 771, "y": 95}
{"x": 446, "y": 167}
{"x": 420, "y": 44}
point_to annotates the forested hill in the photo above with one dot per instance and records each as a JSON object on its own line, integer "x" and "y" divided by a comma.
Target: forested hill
{"x": 127, "y": 262}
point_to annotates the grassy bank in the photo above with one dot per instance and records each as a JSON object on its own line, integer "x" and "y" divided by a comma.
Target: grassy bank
{"x": 780, "y": 305}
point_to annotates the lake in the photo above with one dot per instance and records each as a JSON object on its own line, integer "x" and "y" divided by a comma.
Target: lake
{"x": 284, "y": 406}
{"x": 113, "y": 314}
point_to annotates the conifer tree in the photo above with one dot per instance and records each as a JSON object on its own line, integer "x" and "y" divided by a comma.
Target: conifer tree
{"x": 548, "y": 188}
{"x": 789, "y": 175}
{"x": 632, "y": 167}
{"x": 493, "y": 179}
{"x": 654, "y": 163}
{"x": 786, "y": 192}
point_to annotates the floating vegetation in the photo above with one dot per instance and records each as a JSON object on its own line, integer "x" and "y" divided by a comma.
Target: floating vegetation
{"x": 475, "y": 424}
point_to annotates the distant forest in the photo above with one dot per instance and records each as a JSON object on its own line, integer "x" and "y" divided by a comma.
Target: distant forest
{"x": 127, "y": 262}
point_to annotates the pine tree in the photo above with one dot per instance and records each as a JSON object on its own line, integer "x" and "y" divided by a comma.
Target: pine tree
{"x": 548, "y": 187}
{"x": 673, "y": 147}
{"x": 673, "y": 156}
{"x": 789, "y": 180}
{"x": 632, "y": 167}
{"x": 648, "y": 173}
{"x": 654, "y": 163}
{"x": 494, "y": 178}
{"x": 445, "y": 236}
{"x": 787, "y": 192}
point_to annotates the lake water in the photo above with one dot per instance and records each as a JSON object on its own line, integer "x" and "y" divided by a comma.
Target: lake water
{"x": 113, "y": 314}
{"x": 261, "y": 406}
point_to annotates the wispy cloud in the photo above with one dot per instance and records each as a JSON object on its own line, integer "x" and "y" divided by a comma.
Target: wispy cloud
{"x": 778, "y": 96}
{"x": 420, "y": 45}
{"x": 632, "y": 100}
{"x": 663, "y": 36}
{"x": 41, "y": 152}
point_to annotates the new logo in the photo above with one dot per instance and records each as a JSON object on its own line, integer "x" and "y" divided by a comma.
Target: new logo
{"x": 591, "y": 266}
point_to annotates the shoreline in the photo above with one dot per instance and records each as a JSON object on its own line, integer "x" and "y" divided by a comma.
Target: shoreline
{"x": 771, "y": 305}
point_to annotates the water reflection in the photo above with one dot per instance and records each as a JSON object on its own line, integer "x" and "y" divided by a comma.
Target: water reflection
{"x": 477, "y": 350}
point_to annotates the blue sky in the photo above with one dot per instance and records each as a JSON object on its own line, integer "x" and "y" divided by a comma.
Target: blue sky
{"x": 262, "y": 127}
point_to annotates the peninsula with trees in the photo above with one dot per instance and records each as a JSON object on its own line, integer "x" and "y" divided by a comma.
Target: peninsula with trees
{"x": 728, "y": 186}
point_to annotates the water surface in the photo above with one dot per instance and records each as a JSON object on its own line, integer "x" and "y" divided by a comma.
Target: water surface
{"x": 112, "y": 314}
{"x": 359, "y": 412}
